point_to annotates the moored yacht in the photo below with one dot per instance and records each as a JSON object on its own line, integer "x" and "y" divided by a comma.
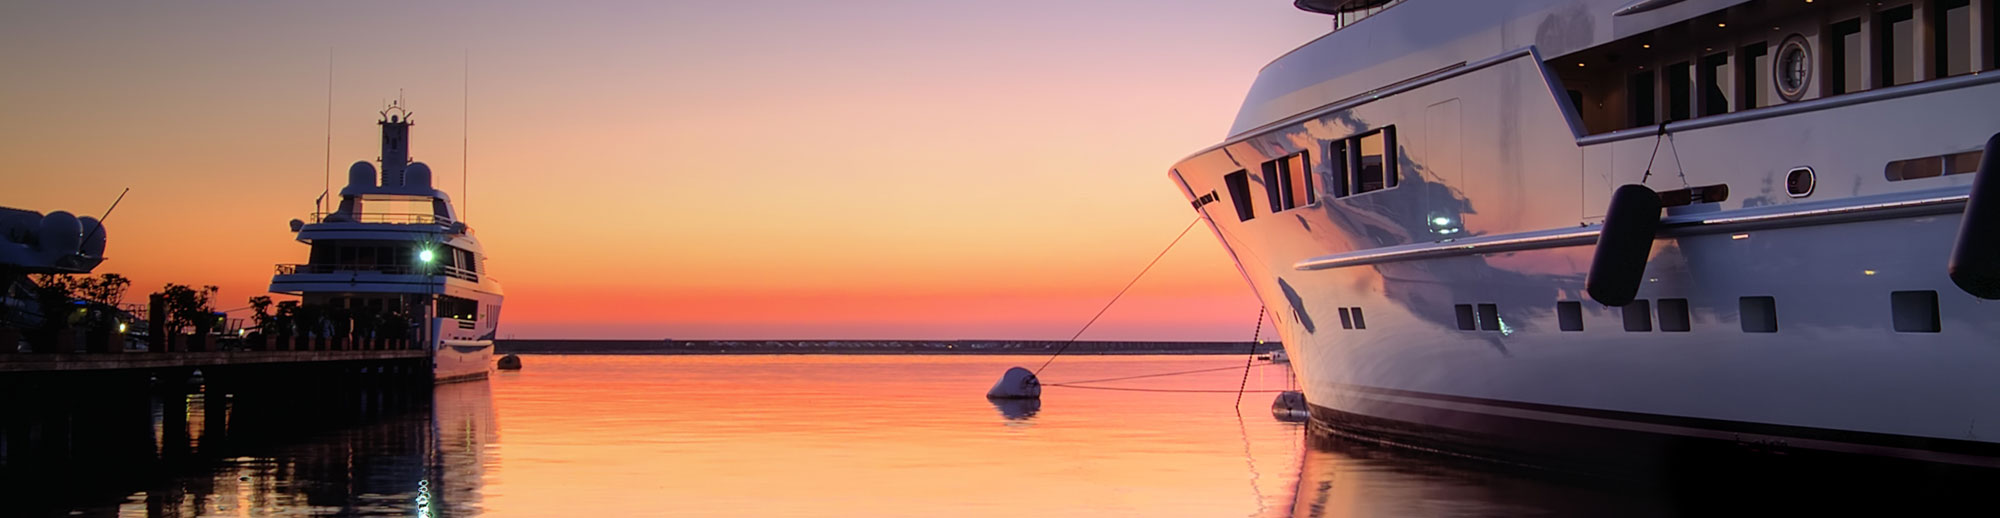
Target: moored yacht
{"x": 394, "y": 246}
{"x": 1591, "y": 232}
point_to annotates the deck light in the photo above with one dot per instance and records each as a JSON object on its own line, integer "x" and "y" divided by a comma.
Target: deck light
{"x": 121, "y": 327}
{"x": 426, "y": 255}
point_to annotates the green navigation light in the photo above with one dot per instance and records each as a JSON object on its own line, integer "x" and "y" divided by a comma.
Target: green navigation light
{"x": 426, "y": 256}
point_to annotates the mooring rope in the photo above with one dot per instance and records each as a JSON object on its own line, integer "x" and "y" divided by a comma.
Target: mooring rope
{"x": 1137, "y": 389}
{"x": 1114, "y": 298}
{"x": 1164, "y": 374}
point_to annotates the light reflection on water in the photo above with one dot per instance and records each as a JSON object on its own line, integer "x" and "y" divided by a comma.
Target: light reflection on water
{"x": 829, "y": 436}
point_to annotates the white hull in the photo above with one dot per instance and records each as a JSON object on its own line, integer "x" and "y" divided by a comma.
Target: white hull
{"x": 1498, "y": 194}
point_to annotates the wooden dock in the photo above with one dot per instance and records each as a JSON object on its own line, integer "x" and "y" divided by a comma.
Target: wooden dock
{"x": 70, "y": 362}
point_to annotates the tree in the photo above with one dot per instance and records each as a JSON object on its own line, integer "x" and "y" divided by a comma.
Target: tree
{"x": 188, "y": 307}
{"x": 260, "y": 307}
{"x": 105, "y": 293}
{"x": 53, "y": 296}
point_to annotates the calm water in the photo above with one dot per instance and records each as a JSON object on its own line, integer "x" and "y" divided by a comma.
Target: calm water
{"x": 825, "y": 436}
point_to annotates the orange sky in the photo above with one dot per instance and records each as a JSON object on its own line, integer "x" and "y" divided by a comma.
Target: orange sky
{"x": 875, "y": 169}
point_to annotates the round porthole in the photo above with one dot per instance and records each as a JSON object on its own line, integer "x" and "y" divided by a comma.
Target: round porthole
{"x": 1793, "y": 68}
{"x": 1799, "y": 183}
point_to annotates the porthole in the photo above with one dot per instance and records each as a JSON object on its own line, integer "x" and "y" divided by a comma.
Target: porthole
{"x": 1799, "y": 183}
{"x": 1792, "y": 71}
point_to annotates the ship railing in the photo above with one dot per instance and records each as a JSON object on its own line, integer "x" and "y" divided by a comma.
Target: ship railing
{"x": 386, "y": 269}
{"x": 396, "y": 218}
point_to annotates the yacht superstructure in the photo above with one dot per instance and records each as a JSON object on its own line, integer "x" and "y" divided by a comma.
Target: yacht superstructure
{"x": 394, "y": 249}
{"x": 1574, "y": 231}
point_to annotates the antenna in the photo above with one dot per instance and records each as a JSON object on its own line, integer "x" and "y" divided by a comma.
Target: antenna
{"x": 327, "y": 175}
{"x": 106, "y": 216}
{"x": 465, "y": 137}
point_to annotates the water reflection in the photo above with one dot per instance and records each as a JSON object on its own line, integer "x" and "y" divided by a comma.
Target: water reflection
{"x": 195, "y": 451}
{"x": 1017, "y": 409}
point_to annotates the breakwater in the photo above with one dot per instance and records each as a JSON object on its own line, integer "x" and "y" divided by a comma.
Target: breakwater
{"x": 1031, "y": 347}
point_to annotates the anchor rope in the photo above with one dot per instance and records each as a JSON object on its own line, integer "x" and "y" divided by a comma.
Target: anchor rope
{"x": 1114, "y": 298}
{"x": 1255, "y": 336}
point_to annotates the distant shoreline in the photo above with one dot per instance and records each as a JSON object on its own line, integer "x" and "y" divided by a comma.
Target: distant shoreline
{"x": 872, "y": 347}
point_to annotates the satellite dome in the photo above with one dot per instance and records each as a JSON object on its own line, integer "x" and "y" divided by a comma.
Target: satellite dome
{"x": 361, "y": 174}
{"x": 61, "y": 234}
{"x": 93, "y": 237}
{"x": 417, "y": 177}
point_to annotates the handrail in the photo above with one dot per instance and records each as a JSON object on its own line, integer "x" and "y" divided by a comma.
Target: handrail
{"x": 1670, "y": 227}
{"x": 400, "y": 218}
{"x": 386, "y": 269}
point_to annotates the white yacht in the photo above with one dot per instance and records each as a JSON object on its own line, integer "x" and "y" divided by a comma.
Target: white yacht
{"x": 1630, "y": 232}
{"x": 395, "y": 245}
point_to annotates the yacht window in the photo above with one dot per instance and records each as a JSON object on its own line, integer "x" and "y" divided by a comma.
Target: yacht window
{"x": 1638, "y": 316}
{"x": 1336, "y": 165}
{"x": 1898, "y": 36}
{"x": 1293, "y": 187}
{"x": 1466, "y": 320}
{"x": 1680, "y": 91}
{"x": 1239, "y": 192}
{"x": 1674, "y": 315}
{"x": 1756, "y": 69}
{"x": 1847, "y": 59}
{"x": 1489, "y": 317}
{"x": 1847, "y": 72}
{"x": 1569, "y": 315}
{"x": 1375, "y": 161}
{"x": 1642, "y": 96}
{"x": 1914, "y": 311}
{"x": 1346, "y": 319}
{"x": 1931, "y": 166}
{"x": 1759, "y": 314}
{"x": 1715, "y": 88}
{"x": 1953, "y": 31}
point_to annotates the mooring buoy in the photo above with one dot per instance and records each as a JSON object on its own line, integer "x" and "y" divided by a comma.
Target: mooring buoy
{"x": 1017, "y": 383}
{"x": 510, "y": 362}
{"x": 1290, "y": 407}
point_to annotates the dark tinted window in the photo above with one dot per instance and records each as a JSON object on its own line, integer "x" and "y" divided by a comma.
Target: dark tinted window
{"x": 1674, "y": 315}
{"x": 1489, "y": 317}
{"x": 1374, "y": 167}
{"x": 1638, "y": 316}
{"x": 1643, "y": 111}
{"x": 1680, "y": 94}
{"x": 1898, "y": 36}
{"x": 1715, "y": 84}
{"x": 1756, "y": 74}
{"x": 1846, "y": 71}
{"x": 1239, "y": 193}
{"x": 1759, "y": 314}
{"x": 1294, "y": 181}
{"x": 1952, "y": 29}
{"x": 1336, "y": 167}
{"x": 1569, "y": 315}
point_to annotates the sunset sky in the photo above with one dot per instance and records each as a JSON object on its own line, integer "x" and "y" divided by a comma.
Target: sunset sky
{"x": 921, "y": 169}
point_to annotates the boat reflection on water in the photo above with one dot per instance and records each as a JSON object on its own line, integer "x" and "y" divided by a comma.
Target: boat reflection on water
{"x": 368, "y": 452}
{"x": 462, "y": 426}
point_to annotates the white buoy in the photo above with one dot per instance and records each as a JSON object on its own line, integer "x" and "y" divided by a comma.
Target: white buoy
{"x": 1017, "y": 383}
{"x": 1290, "y": 407}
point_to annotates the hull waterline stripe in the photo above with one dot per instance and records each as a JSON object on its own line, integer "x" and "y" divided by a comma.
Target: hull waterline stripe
{"x": 1671, "y": 227}
{"x": 1952, "y": 451}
